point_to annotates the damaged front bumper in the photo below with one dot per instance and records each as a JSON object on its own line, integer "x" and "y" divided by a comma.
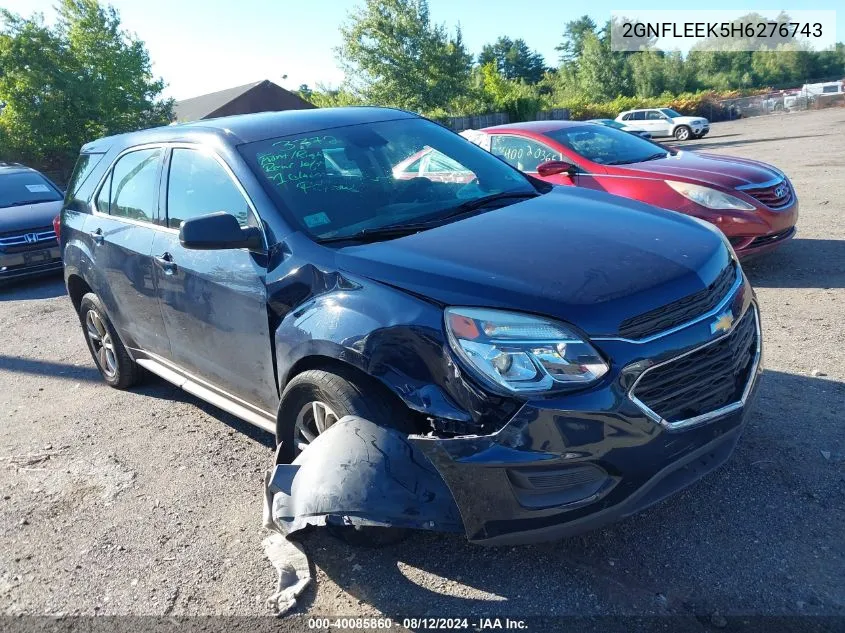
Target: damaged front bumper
{"x": 497, "y": 489}
{"x": 562, "y": 465}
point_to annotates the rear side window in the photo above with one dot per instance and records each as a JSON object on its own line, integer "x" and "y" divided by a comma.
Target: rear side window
{"x": 523, "y": 153}
{"x": 85, "y": 165}
{"x": 130, "y": 191}
{"x": 199, "y": 185}
{"x": 636, "y": 116}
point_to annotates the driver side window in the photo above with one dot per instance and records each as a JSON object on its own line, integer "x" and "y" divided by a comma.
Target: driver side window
{"x": 523, "y": 153}
{"x": 198, "y": 185}
{"x": 654, "y": 115}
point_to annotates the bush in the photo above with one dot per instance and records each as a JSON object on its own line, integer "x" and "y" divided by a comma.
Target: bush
{"x": 705, "y": 103}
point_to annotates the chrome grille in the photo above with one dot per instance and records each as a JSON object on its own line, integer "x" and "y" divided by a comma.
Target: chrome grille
{"x": 775, "y": 196}
{"x": 704, "y": 381}
{"x": 30, "y": 237}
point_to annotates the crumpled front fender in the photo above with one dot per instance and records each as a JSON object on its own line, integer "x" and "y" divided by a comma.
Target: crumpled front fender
{"x": 358, "y": 473}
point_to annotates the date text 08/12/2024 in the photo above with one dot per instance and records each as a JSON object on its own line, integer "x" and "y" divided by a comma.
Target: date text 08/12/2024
{"x": 426, "y": 623}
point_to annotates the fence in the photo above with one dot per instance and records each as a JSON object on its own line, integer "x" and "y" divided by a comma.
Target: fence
{"x": 762, "y": 105}
{"x": 478, "y": 121}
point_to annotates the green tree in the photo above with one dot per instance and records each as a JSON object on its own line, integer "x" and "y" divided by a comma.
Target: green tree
{"x": 500, "y": 94}
{"x": 514, "y": 59}
{"x": 392, "y": 54}
{"x": 602, "y": 74}
{"x": 574, "y": 34}
{"x": 67, "y": 84}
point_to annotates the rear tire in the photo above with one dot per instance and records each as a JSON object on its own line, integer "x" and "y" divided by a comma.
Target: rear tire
{"x": 110, "y": 356}
{"x": 683, "y": 133}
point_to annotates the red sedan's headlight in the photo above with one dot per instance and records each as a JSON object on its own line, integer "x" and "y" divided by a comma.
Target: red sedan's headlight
{"x": 710, "y": 198}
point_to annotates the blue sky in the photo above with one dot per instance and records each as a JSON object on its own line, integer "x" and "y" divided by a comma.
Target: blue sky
{"x": 200, "y": 46}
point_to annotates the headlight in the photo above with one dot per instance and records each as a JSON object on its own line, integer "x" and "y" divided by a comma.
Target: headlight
{"x": 522, "y": 353}
{"x": 707, "y": 197}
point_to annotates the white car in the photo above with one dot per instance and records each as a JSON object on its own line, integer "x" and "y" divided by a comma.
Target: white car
{"x": 621, "y": 126}
{"x": 665, "y": 122}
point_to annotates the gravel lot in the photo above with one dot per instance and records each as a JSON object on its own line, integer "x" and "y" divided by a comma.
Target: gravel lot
{"x": 149, "y": 502}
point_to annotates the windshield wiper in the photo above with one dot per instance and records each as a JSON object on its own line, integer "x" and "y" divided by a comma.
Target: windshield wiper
{"x": 383, "y": 232}
{"x": 399, "y": 230}
{"x": 472, "y": 205}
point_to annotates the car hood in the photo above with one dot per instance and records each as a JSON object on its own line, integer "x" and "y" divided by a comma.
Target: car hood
{"x": 582, "y": 256}
{"x": 728, "y": 172}
{"x": 689, "y": 120}
{"x": 30, "y": 216}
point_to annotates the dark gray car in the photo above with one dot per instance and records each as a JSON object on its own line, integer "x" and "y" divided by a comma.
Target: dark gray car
{"x": 28, "y": 204}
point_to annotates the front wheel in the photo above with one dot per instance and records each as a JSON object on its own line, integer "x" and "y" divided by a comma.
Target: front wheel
{"x": 683, "y": 133}
{"x": 116, "y": 366}
{"x": 316, "y": 399}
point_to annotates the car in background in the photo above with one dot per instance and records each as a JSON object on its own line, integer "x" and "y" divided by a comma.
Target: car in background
{"x": 812, "y": 93}
{"x": 621, "y": 126}
{"x": 753, "y": 203}
{"x": 660, "y": 122}
{"x": 530, "y": 360}
{"x": 29, "y": 202}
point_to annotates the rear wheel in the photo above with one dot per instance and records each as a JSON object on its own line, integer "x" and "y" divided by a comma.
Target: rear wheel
{"x": 116, "y": 366}
{"x": 683, "y": 133}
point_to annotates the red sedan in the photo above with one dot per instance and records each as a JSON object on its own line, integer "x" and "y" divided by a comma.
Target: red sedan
{"x": 753, "y": 203}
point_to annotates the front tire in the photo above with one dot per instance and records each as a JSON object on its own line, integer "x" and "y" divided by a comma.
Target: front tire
{"x": 316, "y": 399}
{"x": 113, "y": 361}
{"x": 683, "y": 133}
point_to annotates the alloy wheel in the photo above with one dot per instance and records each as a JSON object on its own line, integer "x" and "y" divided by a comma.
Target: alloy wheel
{"x": 101, "y": 343}
{"x": 313, "y": 419}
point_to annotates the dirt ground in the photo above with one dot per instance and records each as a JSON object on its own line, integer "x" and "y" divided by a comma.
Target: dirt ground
{"x": 149, "y": 502}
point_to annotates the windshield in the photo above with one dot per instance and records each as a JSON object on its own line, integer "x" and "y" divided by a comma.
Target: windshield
{"x": 670, "y": 113}
{"x": 345, "y": 180}
{"x": 25, "y": 187}
{"x": 607, "y": 146}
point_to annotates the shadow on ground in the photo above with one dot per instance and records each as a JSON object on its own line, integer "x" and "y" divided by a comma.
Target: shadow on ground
{"x": 45, "y": 287}
{"x": 62, "y": 371}
{"x": 800, "y": 263}
{"x": 150, "y": 385}
{"x": 155, "y": 387}
{"x": 718, "y": 142}
{"x": 729, "y": 543}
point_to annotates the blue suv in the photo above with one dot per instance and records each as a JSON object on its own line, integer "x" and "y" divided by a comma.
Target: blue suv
{"x": 559, "y": 357}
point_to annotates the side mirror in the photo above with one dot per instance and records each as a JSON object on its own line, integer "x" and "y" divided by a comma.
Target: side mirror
{"x": 552, "y": 167}
{"x": 218, "y": 231}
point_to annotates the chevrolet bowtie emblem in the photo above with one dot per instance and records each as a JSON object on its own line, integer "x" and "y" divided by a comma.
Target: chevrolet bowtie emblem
{"x": 723, "y": 323}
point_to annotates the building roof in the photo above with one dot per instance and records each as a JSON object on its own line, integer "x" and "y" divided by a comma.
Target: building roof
{"x": 197, "y": 108}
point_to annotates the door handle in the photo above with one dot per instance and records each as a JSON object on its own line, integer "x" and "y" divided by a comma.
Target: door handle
{"x": 97, "y": 236}
{"x": 165, "y": 260}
